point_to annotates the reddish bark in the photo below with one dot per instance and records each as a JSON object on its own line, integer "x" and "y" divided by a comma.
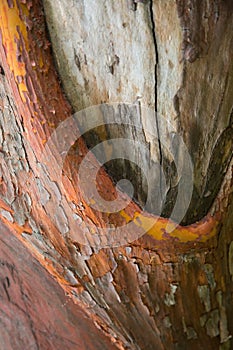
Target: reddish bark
{"x": 143, "y": 280}
{"x": 35, "y": 313}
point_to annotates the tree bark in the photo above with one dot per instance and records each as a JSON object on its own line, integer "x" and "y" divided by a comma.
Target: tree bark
{"x": 165, "y": 70}
{"x": 35, "y": 312}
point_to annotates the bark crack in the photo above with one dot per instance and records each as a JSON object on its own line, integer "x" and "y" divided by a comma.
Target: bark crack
{"x": 156, "y": 90}
{"x": 6, "y": 285}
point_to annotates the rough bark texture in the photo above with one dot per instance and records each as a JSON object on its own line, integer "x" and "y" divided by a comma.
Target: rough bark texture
{"x": 35, "y": 312}
{"x": 163, "y": 290}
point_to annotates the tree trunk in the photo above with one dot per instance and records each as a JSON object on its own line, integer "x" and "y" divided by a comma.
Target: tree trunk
{"x": 147, "y": 87}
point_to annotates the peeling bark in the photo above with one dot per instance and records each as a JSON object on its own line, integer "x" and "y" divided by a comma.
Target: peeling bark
{"x": 34, "y": 311}
{"x": 164, "y": 290}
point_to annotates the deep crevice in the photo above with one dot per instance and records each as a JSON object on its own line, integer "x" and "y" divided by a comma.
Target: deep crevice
{"x": 156, "y": 87}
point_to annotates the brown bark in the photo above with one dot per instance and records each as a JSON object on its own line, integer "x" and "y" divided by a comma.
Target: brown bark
{"x": 158, "y": 291}
{"x": 35, "y": 312}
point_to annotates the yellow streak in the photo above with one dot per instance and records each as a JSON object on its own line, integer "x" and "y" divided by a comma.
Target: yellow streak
{"x": 11, "y": 24}
{"x": 184, "y": 234}
{"x": 161, "y": 228}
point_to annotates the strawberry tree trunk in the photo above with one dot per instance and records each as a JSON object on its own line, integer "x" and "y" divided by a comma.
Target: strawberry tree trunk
{"x": 116, "y": 167}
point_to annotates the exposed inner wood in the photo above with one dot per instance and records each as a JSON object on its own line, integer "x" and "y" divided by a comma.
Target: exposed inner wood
{"x": 160, "y": 56}
{"x": 178, "y": 288}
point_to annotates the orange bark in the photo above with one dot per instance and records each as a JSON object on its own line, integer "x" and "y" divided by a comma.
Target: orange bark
{"x": 40, "y": 102}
